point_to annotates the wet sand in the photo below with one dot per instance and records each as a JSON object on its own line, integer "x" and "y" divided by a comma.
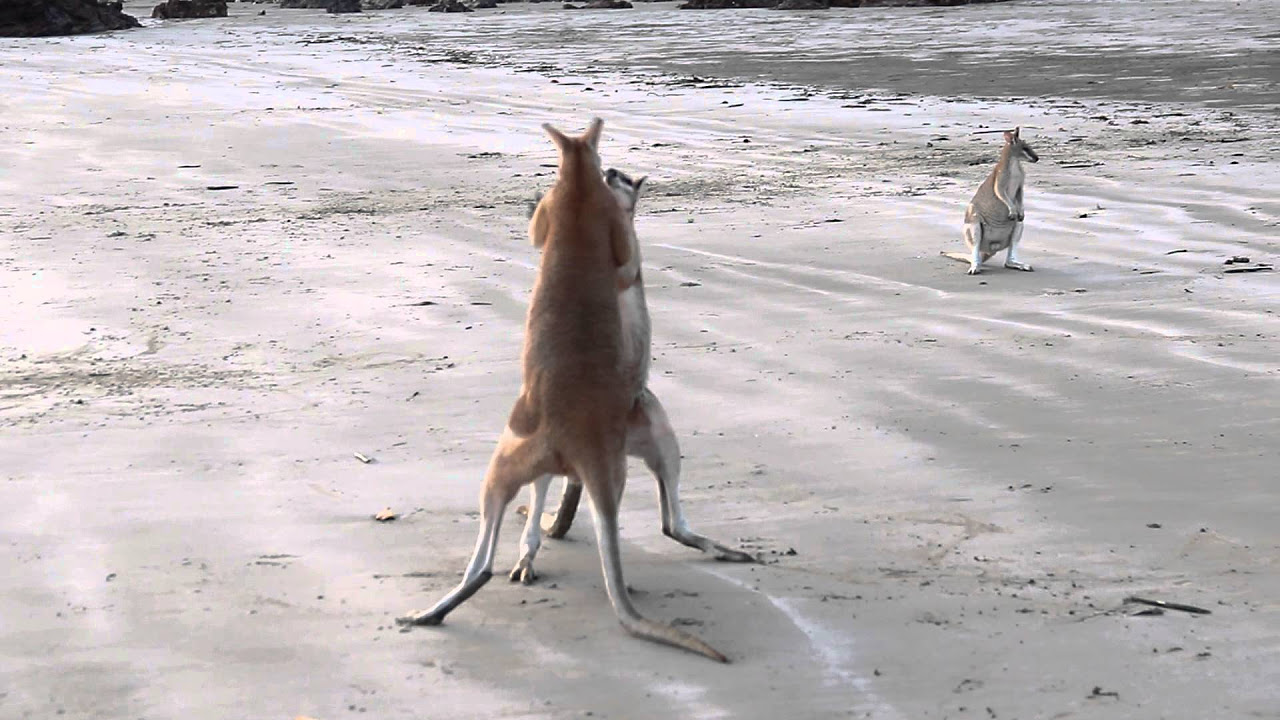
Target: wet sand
{"x": 954, "y": 482}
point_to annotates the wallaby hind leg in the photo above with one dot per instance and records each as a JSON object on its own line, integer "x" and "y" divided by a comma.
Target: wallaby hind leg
{"x": 532, "y": 538}
{"x": 515, "y": 462}
{"x": 973, "y": 238}
{"x": 1011, "y": 258}
{"x": 604, "y": 481}
{"x": 651, "y": 438}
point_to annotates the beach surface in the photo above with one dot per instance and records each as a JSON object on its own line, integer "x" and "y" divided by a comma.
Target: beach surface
{"x": 235, "y": 253}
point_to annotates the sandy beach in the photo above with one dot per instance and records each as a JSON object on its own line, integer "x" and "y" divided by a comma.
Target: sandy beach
{"x": 236, "y": 252}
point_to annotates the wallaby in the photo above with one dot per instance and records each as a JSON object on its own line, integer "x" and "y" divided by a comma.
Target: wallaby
{"x": 582, "y": 395}
{"x": 627, "y": 193}
{"x": 653, "y": 440}
{"x": 993, "y": 220}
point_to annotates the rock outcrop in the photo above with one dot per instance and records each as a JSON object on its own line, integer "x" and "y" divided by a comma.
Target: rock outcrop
{"x": 727, "y": 4}
{"x": 188, "y": 9}
{"x": 343, "y": 6}
{"x": 38, "y": 18}
{"x": 449, "y": 6}
{"x": 820, "y": 4}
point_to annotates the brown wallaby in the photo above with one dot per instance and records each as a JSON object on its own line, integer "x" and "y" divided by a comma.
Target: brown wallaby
{"x": 662, "y": 458}
{"x": 993, "y": 220}
{"x": 583, "y": 400}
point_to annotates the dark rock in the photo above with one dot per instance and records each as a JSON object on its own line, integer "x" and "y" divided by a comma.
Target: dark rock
{"x": 449, "y": 6}
{"x": 39, "y": 18}
{"x": 726, "y": 4}
{"x": 305, "y": 4}
{"x": 343, "y": 6}
{"x": 189, "y": 9}
{"x": 485, "y": 4}
{"x": 819, "y": 4}
{"x": 381, "y": 4}
{"x": 908, "y": 3}
{"x": 600, "y": 5}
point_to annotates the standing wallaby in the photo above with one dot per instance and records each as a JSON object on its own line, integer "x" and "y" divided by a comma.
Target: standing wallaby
{"x": 627, "y": 193}
{"x": 650, "y": 438}
{"x": 583, "y": 392}
{"x": 993, "y": 220}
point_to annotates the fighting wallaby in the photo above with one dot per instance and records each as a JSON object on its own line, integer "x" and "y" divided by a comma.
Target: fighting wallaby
{"x": 627, "y": 192}
{"x": 655, "y": 445}
{"x": 582, "y": 400}
{"x": 993, "y": 220}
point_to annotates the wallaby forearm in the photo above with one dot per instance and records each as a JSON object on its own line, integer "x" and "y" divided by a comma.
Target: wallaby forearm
{"x": 998, "y": 190}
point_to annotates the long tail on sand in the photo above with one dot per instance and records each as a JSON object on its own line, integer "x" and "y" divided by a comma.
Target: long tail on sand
{"x": 958, "y": 256}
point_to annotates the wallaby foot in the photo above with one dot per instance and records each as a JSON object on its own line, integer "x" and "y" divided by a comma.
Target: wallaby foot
{"x": 515, "y": 462}
{"x": 604, "y": 498}
{"x": 523, "y": 572}
{"x": 1011, "y": 258}
{"x": 532, "y": 538}
{"x": 651, "y": 438}
{"x": 966, "y": 258}
{"x": 436, "y": 614}
{"x": 685, "y": 536}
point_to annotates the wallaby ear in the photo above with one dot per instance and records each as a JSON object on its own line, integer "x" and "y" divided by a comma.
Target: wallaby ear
{"x": 1009, "y": 136}
{"x": 1016, "y": 132}
{"x": 639, "y": 184}
{"x": 592, "y": 135}
{"x": 560, "y": 139}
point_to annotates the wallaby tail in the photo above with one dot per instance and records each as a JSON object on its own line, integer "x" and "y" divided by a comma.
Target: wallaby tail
{"x": 966, "y": 259}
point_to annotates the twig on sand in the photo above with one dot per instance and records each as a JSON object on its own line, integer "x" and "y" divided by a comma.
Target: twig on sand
{"x": 1167, "y": 605}
{"x": 1249, "y": 269}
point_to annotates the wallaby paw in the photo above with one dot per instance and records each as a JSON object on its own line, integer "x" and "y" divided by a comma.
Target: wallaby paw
{"x": 523, "y": 572}
{"x": 1019, "y": 266}
{"x": 974, "y": 270}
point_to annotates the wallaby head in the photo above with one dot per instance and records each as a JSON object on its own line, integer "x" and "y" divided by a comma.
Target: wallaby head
{"x": 579, "y": 186}
{"x": 626, "y": 190}
{"x": 1018, "y": 148}
{"x": 580, "y": 153}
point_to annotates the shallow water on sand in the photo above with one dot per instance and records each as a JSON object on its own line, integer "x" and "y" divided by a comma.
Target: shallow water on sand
{"x": 1201, "y": 51}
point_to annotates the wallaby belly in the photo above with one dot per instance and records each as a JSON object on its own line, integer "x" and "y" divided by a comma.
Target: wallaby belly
{"x": 996, "y": 236}
{"x": 634, "y": 315}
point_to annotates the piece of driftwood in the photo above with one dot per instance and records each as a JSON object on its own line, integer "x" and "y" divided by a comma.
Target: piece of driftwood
{"x": 1167, "y": 605}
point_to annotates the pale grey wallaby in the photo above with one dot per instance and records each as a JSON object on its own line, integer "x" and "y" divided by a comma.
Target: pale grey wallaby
{"x": 993, "y": 220}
